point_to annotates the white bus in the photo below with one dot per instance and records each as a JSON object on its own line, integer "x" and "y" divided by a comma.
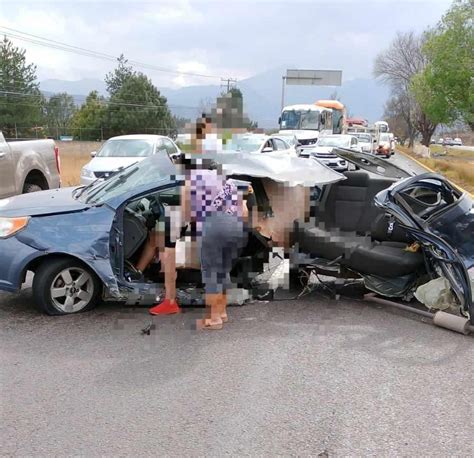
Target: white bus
{"x": 306, "y": 122}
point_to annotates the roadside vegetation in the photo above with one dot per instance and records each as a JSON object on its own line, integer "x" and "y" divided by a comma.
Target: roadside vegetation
{"x": 431, "y": 76}
{"x": 455, "y": 163}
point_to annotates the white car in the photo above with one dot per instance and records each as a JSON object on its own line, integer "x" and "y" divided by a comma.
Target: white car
{"x": 260, "y": 143}
{"x": 457, "y": 142}
{"x": 366, "y": 141}
{"x": 124, "y": 150}
{"x": 323, "y": 151}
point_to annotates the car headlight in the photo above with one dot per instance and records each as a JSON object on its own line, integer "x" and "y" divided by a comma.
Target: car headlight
{"x": 10, "y": 226}
{"x": 86, "y": 173}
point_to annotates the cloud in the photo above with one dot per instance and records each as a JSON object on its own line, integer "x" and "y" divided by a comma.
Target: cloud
{"x": 223, "y": 38}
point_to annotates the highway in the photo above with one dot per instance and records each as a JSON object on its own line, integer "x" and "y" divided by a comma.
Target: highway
{"x": 316, "y": 376}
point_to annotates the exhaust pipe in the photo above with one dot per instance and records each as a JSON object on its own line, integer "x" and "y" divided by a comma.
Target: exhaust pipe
{"x": 440, "y": 318}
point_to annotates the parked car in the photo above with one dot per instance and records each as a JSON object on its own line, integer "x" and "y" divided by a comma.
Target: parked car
{"x": 366, "y": 141}
{"x": 119, "y": 152}
{"x": 28, "y": 166}
{"x": 289, "y": 138}
{"x": 457, "y": 142}
{"x": 394, "y": 235}
{"x": 323, "y": 151}
{"x": 448, "y": 141}
{"x": 261, "y": 143}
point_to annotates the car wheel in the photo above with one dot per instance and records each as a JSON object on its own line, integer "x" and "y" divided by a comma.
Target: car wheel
{"x": 65, "y": 286}
{"x": 31, "y": 188}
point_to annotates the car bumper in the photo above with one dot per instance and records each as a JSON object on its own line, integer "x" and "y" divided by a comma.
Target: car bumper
{"x": 15, "y": 256}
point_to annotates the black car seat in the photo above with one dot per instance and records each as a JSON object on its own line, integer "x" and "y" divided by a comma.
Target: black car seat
{"x": 343, "y": 226}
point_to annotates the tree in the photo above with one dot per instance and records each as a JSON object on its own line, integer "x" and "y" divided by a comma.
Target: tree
{"x": 445, "y": 88}
{"x": 87, "y": 122}
{"x": 398, "y": 66}
{"x": 139, "y": 107}
{"x": 115, "y": 80}
{"x": 400, "y": 114}
{"x": 59, "y": 112}
{"x": 21, "y": 102}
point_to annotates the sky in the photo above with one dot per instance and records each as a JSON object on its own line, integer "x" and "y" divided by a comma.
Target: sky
{"x": 228, "y": 39}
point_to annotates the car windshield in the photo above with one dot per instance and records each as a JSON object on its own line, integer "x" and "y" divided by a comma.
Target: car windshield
{"x": 247, "y": 144}
{"x": 145, "y": 172}
{"x": 300, "y": 119}
{"x": 364, "y": 138}
{"x": 334, "y": 141}
{"x": 126, "y": 148}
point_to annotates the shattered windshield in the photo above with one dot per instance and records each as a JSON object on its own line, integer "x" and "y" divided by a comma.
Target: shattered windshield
{"x": 149, "y": 171}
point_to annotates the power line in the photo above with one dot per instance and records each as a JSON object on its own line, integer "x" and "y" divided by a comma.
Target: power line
{"x": 103, "y": 102}
{"x": 41, "y": 41}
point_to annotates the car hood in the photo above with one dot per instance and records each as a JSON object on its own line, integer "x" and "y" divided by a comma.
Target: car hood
{"x": 110, "y": 164}
{"x": 323, "y": 151}
{"x": 41, "y": 203}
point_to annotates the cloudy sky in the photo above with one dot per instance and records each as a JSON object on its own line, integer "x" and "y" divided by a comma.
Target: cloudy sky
{"x": 220, "y": 38}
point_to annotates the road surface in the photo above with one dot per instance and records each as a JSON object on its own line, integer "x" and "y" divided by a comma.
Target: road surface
{"x": 309, "y": 377}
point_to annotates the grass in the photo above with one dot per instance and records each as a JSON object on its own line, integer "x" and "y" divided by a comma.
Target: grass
{"x": 74, "y": 155}
{"x": 457, "y": 164}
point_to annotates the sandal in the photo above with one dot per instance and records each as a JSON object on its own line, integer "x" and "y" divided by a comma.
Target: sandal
{"x": 207, "y": 323}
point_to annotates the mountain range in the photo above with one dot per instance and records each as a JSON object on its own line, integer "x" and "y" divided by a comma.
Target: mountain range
{"x": 363, "y": 97}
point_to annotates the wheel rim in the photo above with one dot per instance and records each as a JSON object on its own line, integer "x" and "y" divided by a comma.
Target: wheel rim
{"x": 72, "y": 289}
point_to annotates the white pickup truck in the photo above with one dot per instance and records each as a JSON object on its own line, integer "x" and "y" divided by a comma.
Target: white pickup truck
{"x": 28, "y": 166}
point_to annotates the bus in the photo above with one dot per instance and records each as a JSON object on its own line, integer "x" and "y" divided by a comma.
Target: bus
{"x": 306, "y": 122}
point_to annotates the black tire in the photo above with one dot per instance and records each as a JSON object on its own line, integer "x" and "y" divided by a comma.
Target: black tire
{"x": 29, "y": 187}
{"x": 48, "y": 277}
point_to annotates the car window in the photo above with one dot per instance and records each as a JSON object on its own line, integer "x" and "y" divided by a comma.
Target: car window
{"x": 170, "y": 148}
{"x": 280, "y": 145}
{"x": 353, "y": 141}
{"x": 268, "y": 144}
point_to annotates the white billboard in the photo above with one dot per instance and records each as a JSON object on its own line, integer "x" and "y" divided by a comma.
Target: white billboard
{"x": 314, "y": 77}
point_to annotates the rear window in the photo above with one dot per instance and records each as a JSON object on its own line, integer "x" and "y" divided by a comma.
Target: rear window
{"x": 126, "y": 148}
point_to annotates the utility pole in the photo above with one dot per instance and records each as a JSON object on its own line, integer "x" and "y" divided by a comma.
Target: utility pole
{"x": 229, "y": 82}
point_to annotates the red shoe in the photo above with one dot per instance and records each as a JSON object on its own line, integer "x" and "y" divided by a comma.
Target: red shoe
{"x": 165, "y": 307}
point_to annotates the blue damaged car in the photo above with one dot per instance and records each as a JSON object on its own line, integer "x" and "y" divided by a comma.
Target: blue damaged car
{"x": 399, "y": 235}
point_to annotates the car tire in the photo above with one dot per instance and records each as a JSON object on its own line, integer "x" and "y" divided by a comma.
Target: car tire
{"x": 64, "y": 286}
{"x": 29, "y": 187}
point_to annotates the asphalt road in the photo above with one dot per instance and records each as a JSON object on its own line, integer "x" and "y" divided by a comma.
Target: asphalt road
{"x": 287, "y": 377}
{"x": 308, "y": 377}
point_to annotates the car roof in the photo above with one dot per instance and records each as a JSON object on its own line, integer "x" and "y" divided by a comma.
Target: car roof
{"x": 150, "y": 137}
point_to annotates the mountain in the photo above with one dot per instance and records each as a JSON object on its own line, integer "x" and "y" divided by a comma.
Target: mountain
{"x": 363, "y": 97}
{"x": 80, "y": 87}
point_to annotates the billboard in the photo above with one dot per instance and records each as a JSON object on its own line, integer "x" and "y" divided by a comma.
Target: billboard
{"x": 314, "y": 77}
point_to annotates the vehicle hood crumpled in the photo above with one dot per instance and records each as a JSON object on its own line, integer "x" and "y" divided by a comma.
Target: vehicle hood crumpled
{"x": 284, "y": 169}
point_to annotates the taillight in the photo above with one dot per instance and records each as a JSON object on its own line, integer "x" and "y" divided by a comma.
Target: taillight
{"x": 58, "y": 159}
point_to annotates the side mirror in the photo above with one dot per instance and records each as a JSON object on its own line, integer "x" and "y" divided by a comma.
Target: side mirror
{"x": 93, "y": 153}
{"x": 279, "y": 120}
{"x": 267, "y": 149}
